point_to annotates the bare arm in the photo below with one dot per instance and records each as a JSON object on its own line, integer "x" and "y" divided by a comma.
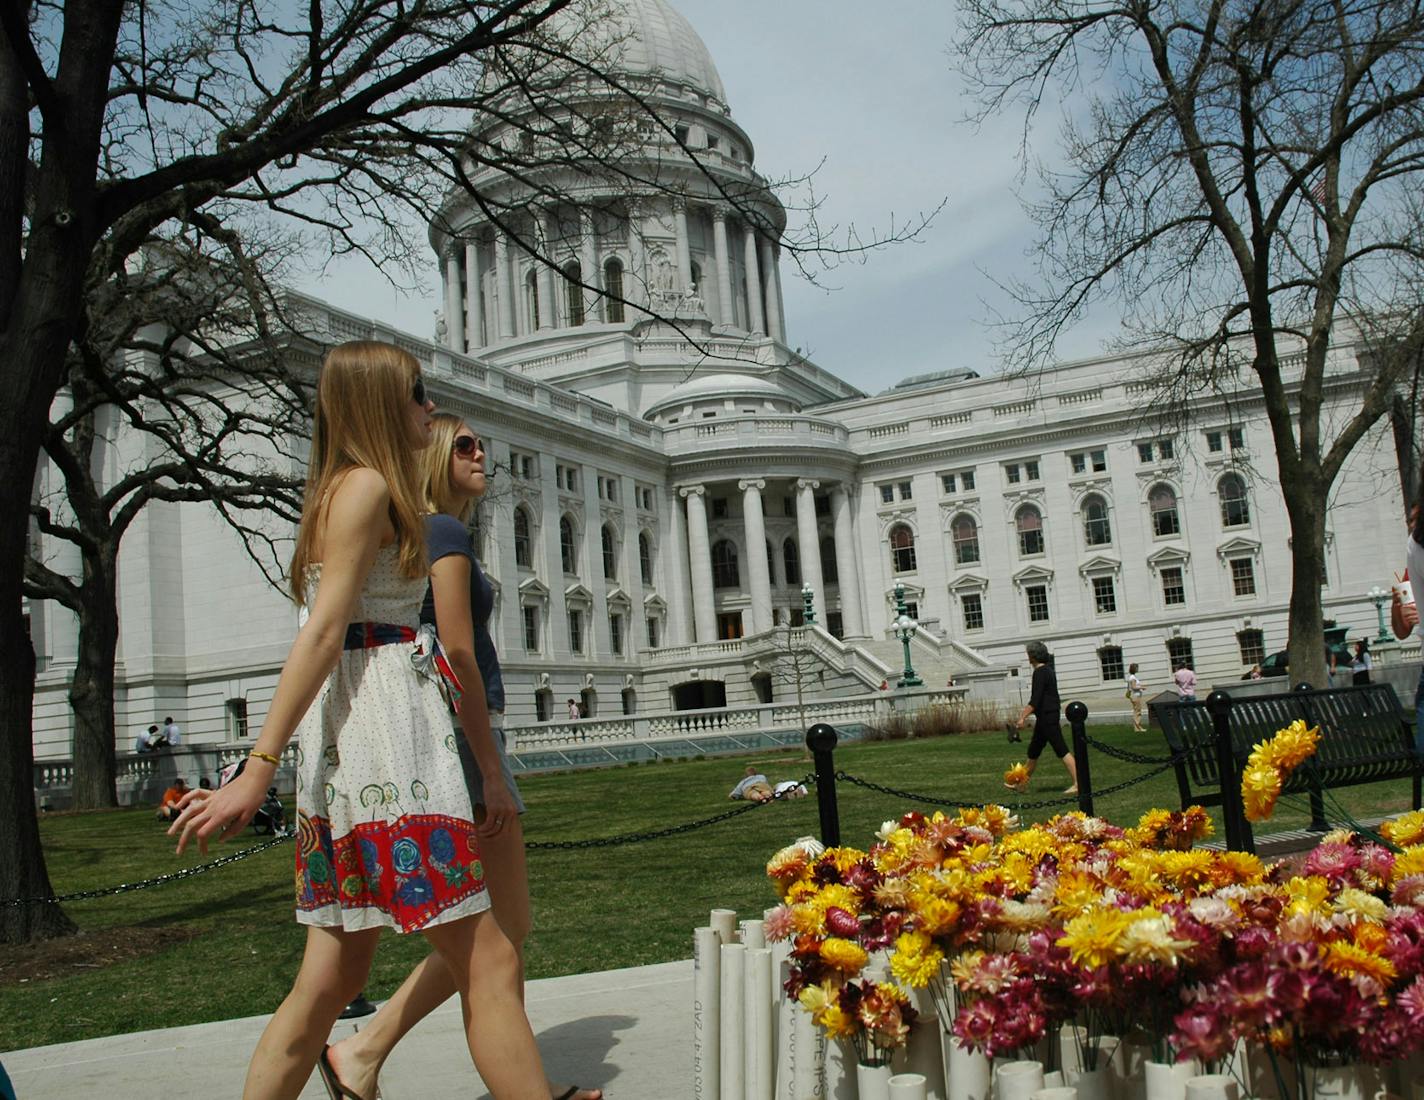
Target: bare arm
{"x": 356, "y": 525}
{"x": 450, "y": 584}
{"x": 1403, "y": 617}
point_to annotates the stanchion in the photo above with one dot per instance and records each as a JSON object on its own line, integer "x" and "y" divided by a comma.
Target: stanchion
{"x": 1077, "y": 721}
{"x": 1233, "y": 810}
{"x": 1318, "y": 824}
{"x": 821, "y": 740}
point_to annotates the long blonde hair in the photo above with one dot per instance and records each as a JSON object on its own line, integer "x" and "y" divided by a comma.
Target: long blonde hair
{"x": 362, "y": 419}
{"x": 434, "y": 464}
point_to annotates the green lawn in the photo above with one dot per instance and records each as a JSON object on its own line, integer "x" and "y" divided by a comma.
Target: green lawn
{"x": 224, "y": 944}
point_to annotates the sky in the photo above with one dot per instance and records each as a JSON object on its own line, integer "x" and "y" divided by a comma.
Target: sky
{"x": 866, "y": 97}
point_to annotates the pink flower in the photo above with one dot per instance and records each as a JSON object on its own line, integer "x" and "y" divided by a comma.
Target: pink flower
{"x": 778, "y": 923}
{"x": 1411, "y": 1001}
{"x": 1202, "y": 1032}
{"x": 1333, "y": 861}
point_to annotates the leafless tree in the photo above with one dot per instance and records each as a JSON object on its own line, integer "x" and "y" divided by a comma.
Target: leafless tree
{"x": 122, "y": 125}
{"x": 1241, "y": 179}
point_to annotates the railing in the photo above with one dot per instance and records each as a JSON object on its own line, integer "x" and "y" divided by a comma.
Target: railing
{"x": 840, "y": 657}
{"x": 142, "y": 776}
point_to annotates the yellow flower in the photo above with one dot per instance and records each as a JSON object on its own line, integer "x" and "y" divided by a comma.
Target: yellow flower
{"x": 1405, "y": 830}
{"x": 1149, "y": 938}
{"x": 1260, "y": 787}
{"x": 1357, "y": 903}
{"x": 845, "y": 858}
{"x": 808, "y": 919}
{"x": 1231, "y": 868}
{"x": 1351, "y": 961}
{"x": 1189, "y": 870}
{"x": 1016, "y": 776}
{"x": 1308, "y": 895}
{"x": 916, "y": 960}
{"x": 844, "y": 955}
{"x": 1077, "y": 890}
{"x": 837, "y": 1022}
{"x": 1094, "y": 938}
{"x": 935, "y": 916}
{"x": 1408, "y": 862}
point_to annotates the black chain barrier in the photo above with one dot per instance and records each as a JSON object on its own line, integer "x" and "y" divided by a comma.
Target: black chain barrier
{"x": 1135, "y": 757}
{"x": 160, "y": 880}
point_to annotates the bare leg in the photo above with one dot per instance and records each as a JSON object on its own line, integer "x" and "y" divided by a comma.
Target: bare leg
{"x": 333, "y": 971}
{"x": 485, "y": 967}
{"x": 358, "y": 1058}
{"x": 1072, "y": 766}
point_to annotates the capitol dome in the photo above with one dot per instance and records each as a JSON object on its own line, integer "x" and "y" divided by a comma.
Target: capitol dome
{"x": 649, "y": 38}
{"x": 714, "y": 391}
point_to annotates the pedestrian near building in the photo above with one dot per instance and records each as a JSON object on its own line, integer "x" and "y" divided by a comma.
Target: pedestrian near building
{"x": 1135, "y": 693}
{"x": 172, "y": 735}
{"x": 1043, "y": 707}
{"x": 1361, "y": 663}
{"x": 1185, "y": 681}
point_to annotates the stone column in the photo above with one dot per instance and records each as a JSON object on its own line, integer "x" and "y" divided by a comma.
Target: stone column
{"x": 543, "y": 274}
{"x": 474, "y": 297}
{"x": 684, "y": 247}
{"x": 699, "y": 556}
{"x": 588, "y": 262}
{"x": 808, "y": 542}
{"x": 635, "y": 286}
{"x": 847, "y": 575}
{"x": 756, "y": 320}
{"x": 773, "y": 293}
{"x": 780, "y": 298}
{"x": 504, "y": 285}
{"x": 673, "y": 559}
{"x": 454, "y": 302}
{"x": 755, "y": 527}
{"x": 726, "y": 312}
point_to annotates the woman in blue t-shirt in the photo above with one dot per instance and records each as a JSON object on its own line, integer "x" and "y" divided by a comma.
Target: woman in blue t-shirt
{"x": 459, "y": 603}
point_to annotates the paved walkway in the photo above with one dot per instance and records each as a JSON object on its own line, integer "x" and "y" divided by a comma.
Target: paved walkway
{"x": 629, "y": 1031}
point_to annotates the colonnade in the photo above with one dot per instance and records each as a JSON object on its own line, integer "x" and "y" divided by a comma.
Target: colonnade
{"x": 758, "y": 583}
{"x": 466, "y": 264}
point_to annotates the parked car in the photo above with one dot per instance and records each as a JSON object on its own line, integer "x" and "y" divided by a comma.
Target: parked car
{"x": 1275, "y": 664}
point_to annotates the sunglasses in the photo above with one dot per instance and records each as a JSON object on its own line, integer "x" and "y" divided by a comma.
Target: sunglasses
{"x": 467, "y": 446}
{"x": 417, "y": 393}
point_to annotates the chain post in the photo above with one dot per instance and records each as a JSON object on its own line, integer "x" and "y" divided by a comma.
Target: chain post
{"x": 1077, "y": 713}
{"x": 1318, "y": 824}
{"x": 821, "y": 740}
{"x": 1233, "y": 811}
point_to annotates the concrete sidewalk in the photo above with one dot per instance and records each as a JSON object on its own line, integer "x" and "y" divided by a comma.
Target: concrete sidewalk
{"x": 627, "y": 1031}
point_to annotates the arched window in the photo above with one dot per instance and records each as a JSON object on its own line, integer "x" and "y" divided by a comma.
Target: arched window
{"x": 610, "y": 553}
{"x": 568, "y": 545}
{"x": 613, "y": 287}
{"x": 1235, "y": 508}
{"x": 531, "y": 299}
{"x": 1162, "y": 504}
{"x": 573, "y": 276}
{"x": 645, "y": 557}
{"x": 828, "y": 561}
{"x": 523, "y": 555}
{"x": 965, "y": 534}
{"x": 724, "y": 565}
{"x": 902, "y": 549}
{"x": 1029, "y": 524}
{"x": 697, "y": 277}
{"x": 791, "y": 556}
{"x": 1097, "y": 531}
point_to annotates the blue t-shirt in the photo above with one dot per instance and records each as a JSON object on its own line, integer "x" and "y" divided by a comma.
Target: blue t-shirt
{"x": 445, "y": 535}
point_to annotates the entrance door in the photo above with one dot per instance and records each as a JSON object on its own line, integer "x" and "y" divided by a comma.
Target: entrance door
{"x": 729, "y": 625}
{"x": 699, "y": 695}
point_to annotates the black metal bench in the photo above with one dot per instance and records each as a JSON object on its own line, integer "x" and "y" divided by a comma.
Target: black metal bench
{"x": 1364, "y": 738}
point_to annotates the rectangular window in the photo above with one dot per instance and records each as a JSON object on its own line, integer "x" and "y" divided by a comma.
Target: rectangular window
{"x": 1144, "y": 452}
{"x": 1098, "y": 460}
{"x": 1011, "y": 473}
{"x": 947, "y": 480}
{"x": 1236, "y": 437}
{"x": 1110, "y": 661}
{"x": 1165, "y": 450}
{"x": 615, "y": 634}
{"x": 966, "y": 478}
{"x": 1031, "y": 470}
{"x": 906, "y": 490}
{"x": 1078, "y": 462}
{"x": 1083, "y": 461}
{"x": 887, "y": 496}
{"x": 1243, "y": 577}
{"x": 1104, "y": 596}
{"x": 652, "y": 632}
{"x": 835, "y": 625}
{"x": 912, "y": 609}
{"x": 575, "y": 630}
{"x": 1253, "y": 646}
{"x": 237, "y": 718}
{"x": 1174, "y": 588}
{"x": 1037, "y": 597}
{"x": 1213, "y": 442}
{"x": 531, "y": 629}
{"x": 719, "y": 507}
{"x": 1179, "y": 653}
{"x": 972, "y": 606}
{"x": 521, "y": 465}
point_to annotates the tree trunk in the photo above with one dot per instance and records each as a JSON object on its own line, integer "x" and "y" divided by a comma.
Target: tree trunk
{"x": 91, "y": 692}
{"x": 1306, "y": 647}
{"x": 22, "y": 863}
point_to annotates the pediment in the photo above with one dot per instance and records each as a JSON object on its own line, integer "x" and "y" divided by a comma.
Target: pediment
{"x": 617, "y": 598}
{"x": 577, "y": 593}
{"x": 1033, "y": 574}
{"x": 1168, "y": 556}
{"x": 654, "y": 604}
{"x": 969, "y": 582}
{"x": 1099, "y": 565}
{"x": 533, "y": 588}
{"x": 1238, "y": 545}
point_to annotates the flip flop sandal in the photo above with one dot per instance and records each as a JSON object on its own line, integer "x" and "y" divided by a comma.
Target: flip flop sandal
{"x": 334, "y": 1088}
{"x": 569, "y": 1093}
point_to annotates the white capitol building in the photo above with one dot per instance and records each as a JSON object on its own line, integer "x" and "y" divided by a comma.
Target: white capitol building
{"x": 663, "y": 496}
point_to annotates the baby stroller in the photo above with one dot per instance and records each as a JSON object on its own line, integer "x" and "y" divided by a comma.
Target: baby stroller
{"x": 271, "y": 817}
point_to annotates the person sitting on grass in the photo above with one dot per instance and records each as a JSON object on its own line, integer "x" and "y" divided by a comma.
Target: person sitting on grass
{"x": 168, "y": 805}
{"x": 1043, "y": 706}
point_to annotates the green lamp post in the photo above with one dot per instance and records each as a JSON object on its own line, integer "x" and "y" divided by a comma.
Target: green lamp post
{"x": 905, "y": 628}
{"x": 808, "y": 605}
{"x": 1379, "y": 597}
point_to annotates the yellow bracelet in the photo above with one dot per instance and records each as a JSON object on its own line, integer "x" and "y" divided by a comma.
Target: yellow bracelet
{"x": 267, "y": 756}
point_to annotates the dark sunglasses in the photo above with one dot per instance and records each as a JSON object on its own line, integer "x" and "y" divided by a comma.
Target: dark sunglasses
{"x": 467, "y": 446}
{"x": 417, "y": 393}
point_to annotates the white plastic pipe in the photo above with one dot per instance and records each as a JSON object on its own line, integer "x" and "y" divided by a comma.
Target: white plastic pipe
{"x": 753, "y": 934}
{"x": 759, "y": 1049}
{"x": 734, "y": 957}
{"x": 706, "y": 1015}
{"x": 808, "y": 1072}
{"x": 908, "y": 1086}
{"x": 724, "y": 923}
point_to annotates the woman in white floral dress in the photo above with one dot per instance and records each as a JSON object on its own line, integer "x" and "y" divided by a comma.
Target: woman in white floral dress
{"x": 386, "y": 837}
